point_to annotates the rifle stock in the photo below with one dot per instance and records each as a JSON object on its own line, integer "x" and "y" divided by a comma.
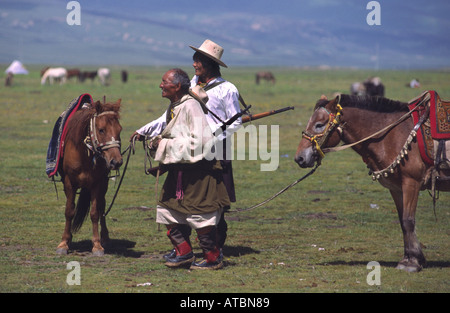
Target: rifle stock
{"x": 252, "y": 117}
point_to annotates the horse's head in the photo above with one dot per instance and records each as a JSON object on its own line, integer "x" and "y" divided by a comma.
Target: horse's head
{"x": 320, "y": 132}
{"x": 105, "y": 133}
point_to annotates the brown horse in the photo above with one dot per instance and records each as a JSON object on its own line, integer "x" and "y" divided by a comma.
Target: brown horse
{"x": 91, "y": 150}
{"x": 393, "y": 154}
{"x": 268, "y": 76}
{"x": 73, "y": 72}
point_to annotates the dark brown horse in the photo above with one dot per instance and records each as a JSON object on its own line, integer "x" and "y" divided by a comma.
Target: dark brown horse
{"x": 392, "y": 155}
{"x": 84, "y": 75}
{"x": 91, "y": 150}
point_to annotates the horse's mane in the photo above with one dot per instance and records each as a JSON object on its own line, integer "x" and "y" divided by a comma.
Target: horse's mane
{"x": 79, "y": 122}
{"x": 376, "y": 104}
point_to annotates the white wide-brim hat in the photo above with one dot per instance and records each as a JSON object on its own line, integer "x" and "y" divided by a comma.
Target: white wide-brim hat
{"x": 211, "y": 50}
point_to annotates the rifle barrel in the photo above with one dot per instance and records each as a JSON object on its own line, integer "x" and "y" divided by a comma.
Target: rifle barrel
{"x": 248, "y": 118}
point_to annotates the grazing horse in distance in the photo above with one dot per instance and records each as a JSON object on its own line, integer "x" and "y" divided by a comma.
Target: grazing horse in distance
{"x": 124, "y": 75}
{"x": 54, "y": 74}
{"x": 91, "y": 149}
{"x": 74, "y": 72}
{"x": 370, "y": 87}
{"x": 268, "y": 76}
{"x": 9, "y": 79}
{"x": 383, "y": 132}
{"x": 90, "y": 75}
{"x": 104, "y": 75}
{"x": 44, "y": 70}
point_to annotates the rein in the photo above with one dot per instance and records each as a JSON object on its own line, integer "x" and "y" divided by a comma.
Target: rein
{"x": 279, "y": 192}
{"x": 130, "y": 149}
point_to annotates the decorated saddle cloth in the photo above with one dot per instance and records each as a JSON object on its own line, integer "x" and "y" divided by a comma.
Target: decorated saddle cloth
{"x": 433, "y": 136}
{"x": 56, "y": 145}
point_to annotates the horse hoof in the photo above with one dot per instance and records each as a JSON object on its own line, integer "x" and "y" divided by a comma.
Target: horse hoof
{"x": 61, "y": 251}
{"x": 410, "y": 268}
{"x": 98, "y": 253}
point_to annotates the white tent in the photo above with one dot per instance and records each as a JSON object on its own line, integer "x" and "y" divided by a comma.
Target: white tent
{"x": 16, "y": 67}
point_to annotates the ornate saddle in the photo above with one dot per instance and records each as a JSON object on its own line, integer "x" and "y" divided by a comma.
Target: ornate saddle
{"x": 433, "y": 136}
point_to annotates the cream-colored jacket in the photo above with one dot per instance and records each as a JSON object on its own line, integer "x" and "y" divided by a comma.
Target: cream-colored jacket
{"x": 187, "y": 138}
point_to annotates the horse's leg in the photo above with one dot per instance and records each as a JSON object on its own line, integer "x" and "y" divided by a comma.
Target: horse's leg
{"x": 97, "y": 210}
{"x": 104, "y": 233}
{"x": 70, "y": 192}
{"x": 406, "y": 202}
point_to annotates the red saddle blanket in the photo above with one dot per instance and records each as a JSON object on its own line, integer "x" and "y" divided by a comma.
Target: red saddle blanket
{"x": 56, "y": 145}
{"x": 437, "y": 126}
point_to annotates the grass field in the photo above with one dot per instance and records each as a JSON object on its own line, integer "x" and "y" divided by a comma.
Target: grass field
{"x": 317, "y": 237}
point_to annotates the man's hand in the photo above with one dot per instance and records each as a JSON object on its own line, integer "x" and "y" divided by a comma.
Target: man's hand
{"x": 138, "y": 136}
{"x": 153, "y": 145}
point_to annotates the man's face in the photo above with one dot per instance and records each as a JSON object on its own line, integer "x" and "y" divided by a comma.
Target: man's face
{"x": 168, "y": 89}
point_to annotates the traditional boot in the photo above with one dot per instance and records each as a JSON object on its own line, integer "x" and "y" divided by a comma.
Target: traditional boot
{"x": 207, "y": 241}
{"x": 186, "y": 232}
{"x": 184, "y": 255}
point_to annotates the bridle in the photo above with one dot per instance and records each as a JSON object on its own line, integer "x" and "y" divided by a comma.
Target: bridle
{"x": 91, "y": 141}
{"x": 334, "y": 121}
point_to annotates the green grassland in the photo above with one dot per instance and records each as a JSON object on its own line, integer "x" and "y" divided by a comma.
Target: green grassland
{"x": 317, "y": 237}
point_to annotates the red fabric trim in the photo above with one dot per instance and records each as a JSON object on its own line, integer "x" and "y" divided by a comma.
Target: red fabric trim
{"x": 212, "y": 256}
{"x": 183, "y": 248}
{"x": 64, "y": 133}
{"x": 416, "y": 116}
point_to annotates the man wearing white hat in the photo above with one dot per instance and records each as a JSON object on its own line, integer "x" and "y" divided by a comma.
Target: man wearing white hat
{"x": 223, "y": 104}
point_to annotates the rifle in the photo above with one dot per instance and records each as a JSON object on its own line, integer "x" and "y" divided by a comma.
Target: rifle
{"x": 245, "y": 119}
{"x": 252, "y": 117}
{"x": 233, "y": 118}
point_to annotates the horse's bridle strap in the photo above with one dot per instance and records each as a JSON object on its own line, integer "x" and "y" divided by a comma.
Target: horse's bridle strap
{"x": 319, "y": 140}
{"x": 92, "y": 141}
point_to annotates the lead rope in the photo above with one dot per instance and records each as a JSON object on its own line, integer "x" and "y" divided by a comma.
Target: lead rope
{"x": 279, "y": 192}
{"x": 130, "y": 149}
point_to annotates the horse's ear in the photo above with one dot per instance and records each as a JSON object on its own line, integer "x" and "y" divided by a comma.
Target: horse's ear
{"x": 97, "y": 106}
{"x": 119, "y": 101}
{"x": 323, "y": 97}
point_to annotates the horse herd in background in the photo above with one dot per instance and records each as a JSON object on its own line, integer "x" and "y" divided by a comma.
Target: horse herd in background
{"x": 371, "y": 86}
{"x": 61, "y": 75}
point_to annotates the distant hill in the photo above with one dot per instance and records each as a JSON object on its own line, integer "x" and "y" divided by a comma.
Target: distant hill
{"x": 253, "y": 33}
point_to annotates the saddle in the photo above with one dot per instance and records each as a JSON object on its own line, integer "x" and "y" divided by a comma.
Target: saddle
{"x": 56, "y": 145}
{"x": 433, "y": 135}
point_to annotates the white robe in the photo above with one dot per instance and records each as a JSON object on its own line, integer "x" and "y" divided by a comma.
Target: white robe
{"x": 187, "y": 138}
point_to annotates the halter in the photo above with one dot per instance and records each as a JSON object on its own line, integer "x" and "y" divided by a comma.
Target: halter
{"x": 92, "y": 142}
{"x": 319, "y": 140}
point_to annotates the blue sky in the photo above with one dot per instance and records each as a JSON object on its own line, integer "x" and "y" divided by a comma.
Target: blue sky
{"x": 412, "y": 34}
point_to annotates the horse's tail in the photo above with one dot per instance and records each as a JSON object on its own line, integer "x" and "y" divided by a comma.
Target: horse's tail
{"x": 82, "y": 210}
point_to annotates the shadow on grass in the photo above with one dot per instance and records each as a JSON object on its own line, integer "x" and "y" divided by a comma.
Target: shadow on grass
{"x": 124, "y": 248}
{"x": 237, "y": 251}
{"x": 430, "y": 264}
{"x": 119, "y": 247}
